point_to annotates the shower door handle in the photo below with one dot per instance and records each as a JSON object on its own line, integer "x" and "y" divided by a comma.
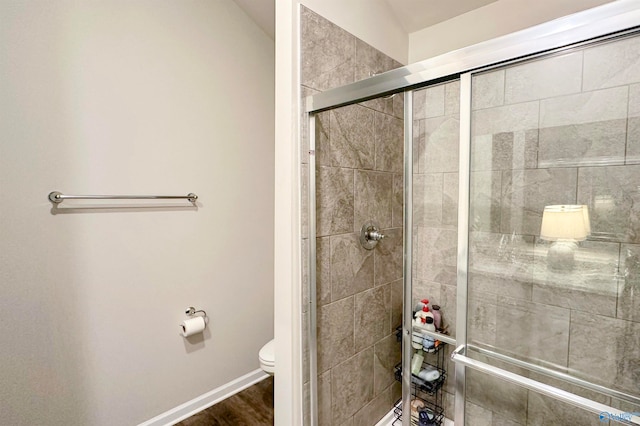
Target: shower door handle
{"x": 604, "y": 411}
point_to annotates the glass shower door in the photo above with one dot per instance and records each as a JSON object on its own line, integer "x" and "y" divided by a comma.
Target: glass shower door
{"x": 553, "y": 278}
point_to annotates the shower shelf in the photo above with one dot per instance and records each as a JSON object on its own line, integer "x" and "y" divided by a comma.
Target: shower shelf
{"x": 435, "y": 409}
{"x": 429, "y": 393}
{"x": 427, "y": 387}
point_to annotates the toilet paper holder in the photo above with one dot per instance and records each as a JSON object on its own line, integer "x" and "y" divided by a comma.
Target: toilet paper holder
{"x": 191, "y": 311}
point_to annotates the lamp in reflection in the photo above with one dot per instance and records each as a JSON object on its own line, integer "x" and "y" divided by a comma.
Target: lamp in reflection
{"x": 565, "y": 225}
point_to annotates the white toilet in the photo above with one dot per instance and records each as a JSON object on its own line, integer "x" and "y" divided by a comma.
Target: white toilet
{"x": 267, "y": 358}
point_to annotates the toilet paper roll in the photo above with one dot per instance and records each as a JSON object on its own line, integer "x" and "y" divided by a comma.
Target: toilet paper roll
{"x": 192, "y": 326}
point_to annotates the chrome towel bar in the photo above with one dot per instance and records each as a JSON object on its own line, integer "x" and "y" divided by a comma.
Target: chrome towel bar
{"x": 58, "y": 197}
{"x": 605, "y": 412}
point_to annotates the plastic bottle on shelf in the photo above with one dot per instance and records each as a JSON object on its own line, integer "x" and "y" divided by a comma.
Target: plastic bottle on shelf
{"x": 437, "y": 316}
{"x": 421, "y": 304}
{"x": 429, "y": 324}
{"x": 416, "y": 362}
{"x": 426, "y": 312}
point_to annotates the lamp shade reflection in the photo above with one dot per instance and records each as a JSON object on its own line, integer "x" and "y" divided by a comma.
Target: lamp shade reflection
{"x": 564, "y": 225}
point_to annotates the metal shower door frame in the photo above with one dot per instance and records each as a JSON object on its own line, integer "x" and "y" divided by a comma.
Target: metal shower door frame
{"x": 607, "y": 20}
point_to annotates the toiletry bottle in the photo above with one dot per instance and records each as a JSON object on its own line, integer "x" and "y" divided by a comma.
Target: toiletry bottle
{"x": 437, "y": 316}
{"x": 421, "y": 304}
{"x": 426, "y": 312}
{"x": 429, "y": 325}
{"x": 416, "y": 362}
{"x": 416, "y": 335}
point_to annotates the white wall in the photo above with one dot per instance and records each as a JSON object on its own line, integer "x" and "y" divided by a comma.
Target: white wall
{"x": 493, "y": 20}
{"x": 151, "y": 96}
{"x": 372, "y": 21}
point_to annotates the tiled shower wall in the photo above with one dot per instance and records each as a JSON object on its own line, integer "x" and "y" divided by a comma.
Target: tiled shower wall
{"x": 562, "y": 130}
{"x": 359, "y": 164}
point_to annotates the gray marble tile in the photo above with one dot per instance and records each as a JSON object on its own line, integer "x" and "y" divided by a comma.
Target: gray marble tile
{"x": 583, "y": 108}
{"x": 450, "y": 200}
{"x": 436, "y": 254}
{"x": 633, "y": 141}
{"x": 372, "y": 315}
{"x": 323, "y": 142}
{"x": 448, "y": 305}
{"x": 334, "y": 200}
{"x": 633, "y": 127}
{"x": 389, "y": 143}
{"x": 452, "y": 98}
{"x": 429, "y": 102}
{"x": 505, "y": 151}
{"x": 509, "y": 118}
{"x": 494, "y": 257}
{"x": 371, "y": 413}
{"x": 398, "y": 105}
{"x": 615, "y": 362}
{"x": 501, "y": 284}
{"x": 425, "y": 290}
{"x": 504, "y": 399}
{"x": 611, "y": 193}
{"x": 352, "y": 266}
{"x": 427, "y": 199}
{"x": 324, "y": 399}
{"x": 487, "y": 90}
{"x": 592, "y": 284}
{"x": 482, "y": 318}
{"x": 476, "y": 415}
{"x": 634, "y": 100}
{"x": 629, "y": 284}
{"x": 597, "y": 143}
{"x": 397, "y": 202}
{"x": 388, "y": 257}
{"x": 543, "y": 410}
{"x": 500, "y": 420}
{"x": 352, "y": 137}
{"x": 396, "y": 303}
{"x": 387, "y": 353}
{"x": 525, "y": 193}
{"x": 544, "y": 78}
{"x": 323, "y": 271}
{"x": 327, "y": 53}
{"x": 612, "y": 64}
{"x": 439, "y": 144}
{"x": 352, "y": 385}
{"x": 546, "y": 329}
{"x": 370, "y": 61}
{"x": 373, "y": 198}
{"x": 335, "y": 333}
{"x": 485, "y": 210}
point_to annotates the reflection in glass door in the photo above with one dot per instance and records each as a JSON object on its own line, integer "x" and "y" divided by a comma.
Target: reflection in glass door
{"x": 554, "y": 235}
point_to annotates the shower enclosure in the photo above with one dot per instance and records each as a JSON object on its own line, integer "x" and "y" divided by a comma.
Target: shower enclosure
{"x": 514, "y": 206}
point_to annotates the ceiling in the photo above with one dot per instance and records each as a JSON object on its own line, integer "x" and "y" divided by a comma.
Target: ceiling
{"x": 413, "y": 15}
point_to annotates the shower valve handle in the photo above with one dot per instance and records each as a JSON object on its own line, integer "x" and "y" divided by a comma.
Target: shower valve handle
{"x": 375, "y": 235}
{"x": 370, "y": 235}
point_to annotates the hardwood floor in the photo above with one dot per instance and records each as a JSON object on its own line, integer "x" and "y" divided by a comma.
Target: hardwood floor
{"x": 251, "y": 407}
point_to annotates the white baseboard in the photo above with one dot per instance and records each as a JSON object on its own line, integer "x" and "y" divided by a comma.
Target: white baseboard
{"x": 206, "y": 400}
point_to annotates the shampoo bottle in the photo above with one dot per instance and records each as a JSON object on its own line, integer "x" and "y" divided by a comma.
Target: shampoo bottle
{"x": 437, "y": 316}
